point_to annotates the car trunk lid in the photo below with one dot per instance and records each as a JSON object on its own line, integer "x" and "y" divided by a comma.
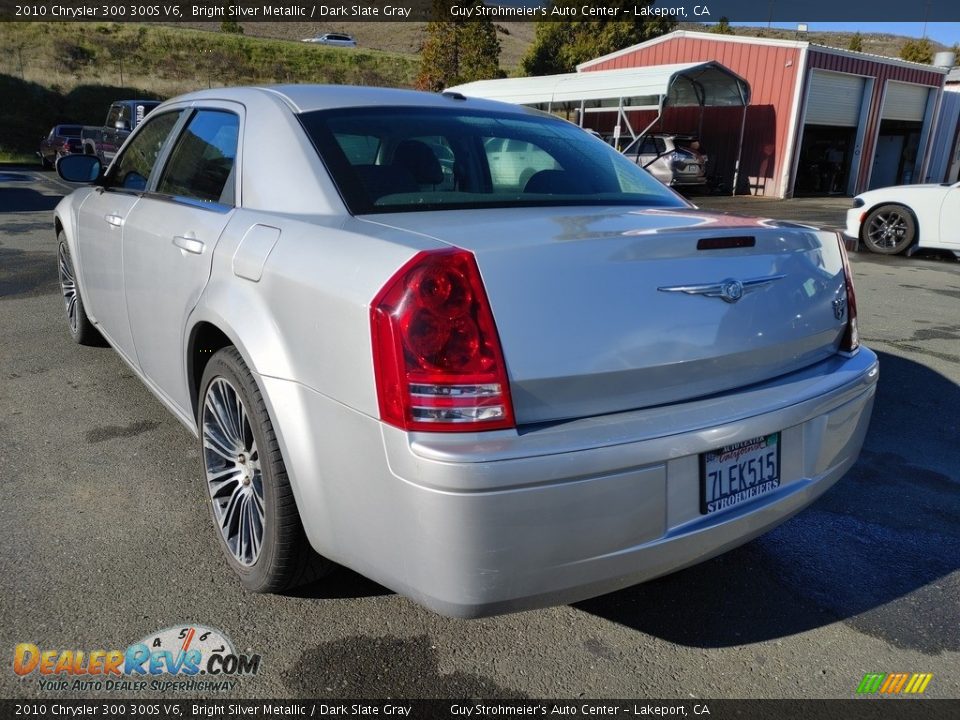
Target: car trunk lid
{"x": 602, "y": 310}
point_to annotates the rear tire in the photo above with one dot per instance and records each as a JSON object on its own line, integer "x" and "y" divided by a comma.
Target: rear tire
{"x": 889, "y": 229}
{"x": 250, "y": 499}
{"x": 44, "y": 163}
{"x": 82, "y": 331}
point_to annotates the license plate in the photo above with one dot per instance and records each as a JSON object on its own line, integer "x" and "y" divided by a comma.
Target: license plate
{"x": 738, "y": 473}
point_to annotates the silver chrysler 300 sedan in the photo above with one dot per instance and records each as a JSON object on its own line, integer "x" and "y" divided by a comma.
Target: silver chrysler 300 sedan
{"x": 484, "y": 394}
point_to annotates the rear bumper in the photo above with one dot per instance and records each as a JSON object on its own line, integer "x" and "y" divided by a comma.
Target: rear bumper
{"x": 485, "y": 523}
{"x": 686, "y": 180}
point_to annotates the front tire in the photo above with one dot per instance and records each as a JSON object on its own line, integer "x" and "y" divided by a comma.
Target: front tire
{"x": 81, "y": 329}
{"x": 251, "y": 502}
{"x": 889, "y": 229}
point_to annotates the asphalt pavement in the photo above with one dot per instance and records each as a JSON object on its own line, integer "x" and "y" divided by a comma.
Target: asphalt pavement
{"x": 106, "y": 538}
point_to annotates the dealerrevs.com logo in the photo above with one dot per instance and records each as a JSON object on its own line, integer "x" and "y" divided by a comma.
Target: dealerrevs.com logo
{"x": 188, "y": 658}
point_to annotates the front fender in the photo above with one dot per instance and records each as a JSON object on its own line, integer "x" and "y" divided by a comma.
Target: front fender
{"x": 65, "y": 215}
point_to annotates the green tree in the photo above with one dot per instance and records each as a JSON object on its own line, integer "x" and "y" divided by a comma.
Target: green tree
{"x": 856, "y": 42}
{"x": 559, "y": 46}
{"x": 231, "y": 26}
{"x": 722, "y": 27}
{"x": 920, "y": 51}
{"x": 457, "y": 51}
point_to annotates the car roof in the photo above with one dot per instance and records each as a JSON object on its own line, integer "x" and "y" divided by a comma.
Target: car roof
{"x": 306, "y": 98}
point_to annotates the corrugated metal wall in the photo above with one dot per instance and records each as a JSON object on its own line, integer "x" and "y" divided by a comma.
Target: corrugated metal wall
{"x": 882, "y": 71}
{"x": 946, "y": 142}
{"x": 772, "y": 74}
{"x": 771, "y": 71}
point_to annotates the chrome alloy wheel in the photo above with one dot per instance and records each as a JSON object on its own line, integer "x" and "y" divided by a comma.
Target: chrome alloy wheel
{"x": 887, "y": 230}
{"x": 68, "y": 287}
{"x": 232, "y": 464}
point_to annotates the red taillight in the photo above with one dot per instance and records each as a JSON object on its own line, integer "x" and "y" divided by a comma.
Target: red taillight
{"x": 851, "y": 336}
{"x": 436, "y": 355}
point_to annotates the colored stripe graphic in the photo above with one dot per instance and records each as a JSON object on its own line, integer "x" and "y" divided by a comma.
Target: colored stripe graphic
{"x": 894, "y": 683}
{"x": 918, "y": 683}
{"x": 870, "y": 683}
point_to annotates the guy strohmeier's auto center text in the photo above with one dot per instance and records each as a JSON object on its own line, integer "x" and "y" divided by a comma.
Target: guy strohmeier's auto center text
{"x": 145, "y": 10}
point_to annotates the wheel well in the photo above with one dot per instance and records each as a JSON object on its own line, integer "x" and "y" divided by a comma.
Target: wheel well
{"x": 916, "y": 223}
{"x": 57, "y": 226}
{"x": 205, "y": 339}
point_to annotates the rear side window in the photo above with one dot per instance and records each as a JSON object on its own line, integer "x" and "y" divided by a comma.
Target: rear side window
{"x": 132, "y": 169}
{"x": 359, "y": 149}
{"x": 203, "y": 158}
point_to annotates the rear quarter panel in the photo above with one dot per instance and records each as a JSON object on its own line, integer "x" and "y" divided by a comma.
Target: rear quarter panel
{"x": 307, "y": 318}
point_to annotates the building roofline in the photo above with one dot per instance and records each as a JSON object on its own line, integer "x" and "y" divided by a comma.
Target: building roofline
{"x": 776, "y": 42}
{"x": 878, "y": 58}
{"x": 691, "y": 34}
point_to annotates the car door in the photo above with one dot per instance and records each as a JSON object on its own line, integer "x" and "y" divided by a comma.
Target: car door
{"x": 101, "y": 221}
{"x": 950, "y": 217}
{"x": 169, "y": 240}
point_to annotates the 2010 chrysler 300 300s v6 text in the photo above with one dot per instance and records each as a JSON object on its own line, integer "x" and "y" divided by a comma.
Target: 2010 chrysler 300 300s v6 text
{"x": 485, "y": 391}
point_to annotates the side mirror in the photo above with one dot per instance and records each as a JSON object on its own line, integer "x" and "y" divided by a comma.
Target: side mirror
{"x": 121, "y": 125}
{"x": 79, "y": 168}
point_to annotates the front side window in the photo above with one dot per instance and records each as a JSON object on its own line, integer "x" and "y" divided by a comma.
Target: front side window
{"x": 390, "y": 159}
{"x": 113, "y": 115}
{"x": 132, "y": 168}
{"x": 202, "y": 160}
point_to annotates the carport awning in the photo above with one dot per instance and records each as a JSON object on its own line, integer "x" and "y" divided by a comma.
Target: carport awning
{"x": 652, "y": 87}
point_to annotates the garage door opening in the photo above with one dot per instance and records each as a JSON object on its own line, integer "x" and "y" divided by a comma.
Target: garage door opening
{"x": 826, "y": 156}
{"x": 906, "y": 110}
{"x": 895, "y": 160}
{"x": 835, "y": 115}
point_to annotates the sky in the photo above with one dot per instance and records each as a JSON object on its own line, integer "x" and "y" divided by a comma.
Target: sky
{"x": 947, "y": 33}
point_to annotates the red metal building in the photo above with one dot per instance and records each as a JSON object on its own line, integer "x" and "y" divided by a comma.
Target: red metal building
{"x": 820, "y": 120}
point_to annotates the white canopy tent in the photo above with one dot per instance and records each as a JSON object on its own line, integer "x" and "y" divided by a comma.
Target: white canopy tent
{"x": 705, "y": 84}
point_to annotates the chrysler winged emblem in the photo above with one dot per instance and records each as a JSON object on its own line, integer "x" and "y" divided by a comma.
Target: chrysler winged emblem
{"x": 729, "y": 290}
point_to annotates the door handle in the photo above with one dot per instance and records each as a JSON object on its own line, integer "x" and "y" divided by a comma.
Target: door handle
{"x": 191, "y": 245}
{"x": 115, "y": 220}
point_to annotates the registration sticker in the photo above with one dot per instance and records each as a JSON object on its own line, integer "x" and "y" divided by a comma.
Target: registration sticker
{"x": 739, "y": 472}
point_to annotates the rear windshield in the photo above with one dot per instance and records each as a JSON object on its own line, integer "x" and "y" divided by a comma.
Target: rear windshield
{"x": 68, "y": 131}
{"x": 391, "y": 159}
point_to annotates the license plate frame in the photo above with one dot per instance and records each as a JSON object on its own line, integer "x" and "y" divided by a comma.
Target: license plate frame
{"x": 754, "y": 453}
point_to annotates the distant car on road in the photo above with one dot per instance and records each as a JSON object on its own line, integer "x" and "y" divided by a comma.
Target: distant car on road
{"x": 671, "y": 159}
{"x": 895, "y": 219}
{"x": 61, "y": 140}
{"x": 337, "y": 39}
{"x": 123, "y": 117}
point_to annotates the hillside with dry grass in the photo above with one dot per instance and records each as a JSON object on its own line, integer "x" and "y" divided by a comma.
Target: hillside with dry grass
{"x": 69, "y": 72}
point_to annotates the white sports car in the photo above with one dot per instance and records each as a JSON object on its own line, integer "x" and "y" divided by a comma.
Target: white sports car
{"x": 894, "y": 219}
